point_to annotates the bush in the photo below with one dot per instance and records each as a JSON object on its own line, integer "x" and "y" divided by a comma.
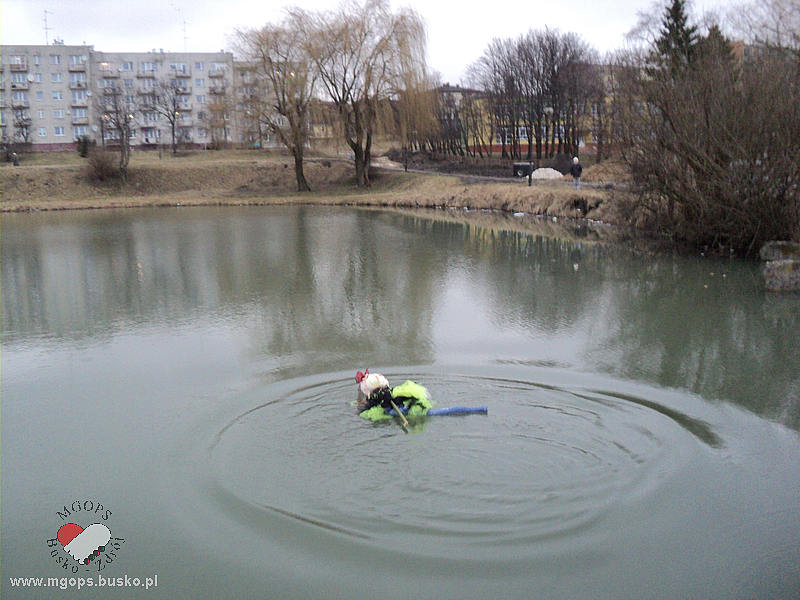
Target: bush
{"x": 715, "y": 153}
{"x": 83, "y": 146}
{"x": 102, "y": 166}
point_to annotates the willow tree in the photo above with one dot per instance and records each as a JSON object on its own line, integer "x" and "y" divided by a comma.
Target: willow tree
{"x": 364, "y": 56}
{"x": 280, "y": 60}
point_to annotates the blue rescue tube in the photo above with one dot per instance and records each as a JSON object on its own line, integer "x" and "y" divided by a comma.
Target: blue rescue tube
{"x": 459, "y": 410}
{"x": 453, "y": 410}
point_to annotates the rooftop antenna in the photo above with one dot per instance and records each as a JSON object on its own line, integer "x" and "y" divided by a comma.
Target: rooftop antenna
{"x": 184, "y": 35}
{"x": 180, "y": 15}
{"x": 46, "y": 28}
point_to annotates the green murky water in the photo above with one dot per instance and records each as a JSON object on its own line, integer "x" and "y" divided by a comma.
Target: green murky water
{"x": 191, "y": 371}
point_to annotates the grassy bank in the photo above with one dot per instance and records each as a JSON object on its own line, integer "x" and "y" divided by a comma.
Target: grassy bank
{"x": 61, "y": 181}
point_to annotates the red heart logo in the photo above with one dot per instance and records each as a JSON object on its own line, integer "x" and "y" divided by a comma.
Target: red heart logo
{"x": 68, "y": 532}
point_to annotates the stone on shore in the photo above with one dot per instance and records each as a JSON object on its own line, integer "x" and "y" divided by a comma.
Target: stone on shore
{"x": 782, "y": 266}
{"x": 780, "y": 251}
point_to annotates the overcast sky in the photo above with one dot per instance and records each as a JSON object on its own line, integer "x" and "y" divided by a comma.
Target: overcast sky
{"x": 458, "y": 32}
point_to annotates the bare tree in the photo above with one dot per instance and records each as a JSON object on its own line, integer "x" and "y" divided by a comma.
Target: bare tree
{"x": 252, "y": 106}
{"x": 167, "y": 100}
{"x": 22, "y": 125}
{"x": 118, "y": 119}
{"x": 216, "y": 117}
{"x": 361, "y": 54}
{"x": 539, "y": 87}
{"x": 770, "y": 24}
{"x": 280, "y": 59}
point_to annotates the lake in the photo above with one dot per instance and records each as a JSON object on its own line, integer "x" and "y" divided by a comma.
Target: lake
{"x": 185, "y": 378}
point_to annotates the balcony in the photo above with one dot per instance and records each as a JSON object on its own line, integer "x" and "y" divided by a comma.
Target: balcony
{"x": 146, "y": 74}
{"x": 77, "y": 68}
{"x": 112, "y": 91}
{"x": 79, "y": 103}
{"x": 185, "y": 108}
{"x": 217, "y": 73}
{"x": 80, "y": 120}
{"x": 20, "y": 86}
{"x": 20, "y": 104}
{"x": 77, "y": 85}
{"x": 186, "y": 73}
{"x": 183, "y": 90}
{"x": 19, "y": 67}
{"x": 217, "y": 89}
{"x": 108, "y": 73}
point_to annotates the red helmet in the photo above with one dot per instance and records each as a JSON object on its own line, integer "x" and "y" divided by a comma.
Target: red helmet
{"x": 360, "y": 376}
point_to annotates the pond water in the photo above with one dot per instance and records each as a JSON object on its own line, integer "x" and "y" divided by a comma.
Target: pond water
{"x": 185, "y": 378}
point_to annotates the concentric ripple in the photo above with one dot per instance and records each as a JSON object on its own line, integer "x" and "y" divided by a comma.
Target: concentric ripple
{"x": 546, "y": 464}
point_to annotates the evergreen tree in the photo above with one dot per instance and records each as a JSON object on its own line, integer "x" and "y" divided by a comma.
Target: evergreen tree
{"x": 714, "y": 46}
{"x": 675, "y": 47}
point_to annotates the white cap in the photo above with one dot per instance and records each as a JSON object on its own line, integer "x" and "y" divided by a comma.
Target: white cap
{"x": 372, "y": 382}
{"x": 575, "y": 160}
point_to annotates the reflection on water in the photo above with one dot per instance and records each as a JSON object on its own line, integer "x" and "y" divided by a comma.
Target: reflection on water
{"x": 194, "y": 368}
{"x": 346, "y": 286}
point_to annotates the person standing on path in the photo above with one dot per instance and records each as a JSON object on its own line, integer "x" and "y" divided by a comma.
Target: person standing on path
{"x": 576, "y": 170}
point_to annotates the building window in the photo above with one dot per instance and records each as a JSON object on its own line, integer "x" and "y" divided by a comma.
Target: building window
{"x": 56, "y": 78}
{"x": 37, "y": 77}
{"x": 42, "y": 132}
{"x": 40, "y": 114}
{"x": 78, "y": 79}
{"x": 58, "y": 113}
{"x": 19, "y": 96}
{"x": 18, "y": 60}
{"x": 128, "y": 83}
{"x": 178, "y": 67}
{"x": 78, "y": 96}
{"x": 79, "y": 113}
{"x": 55, "y": 59}
{"x": 200, "y": 99}
{"x": 127, "y": 65}
{"x": 77, "y": 59}
{"x": 36, "y": 59}
{"x": 59, "y": 131}
{"x": 149, "y": 66}
{"x": 198, "y": 66}
{"x": 58, "y": 95}
{"x": 39, "y": 96}
{"x": 200, "y": 82}
{"x": 79, "y": 131}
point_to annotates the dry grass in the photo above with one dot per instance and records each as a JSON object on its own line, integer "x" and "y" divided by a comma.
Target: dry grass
{"x": 608, "y": 171}
{"x": 251, "y": 177}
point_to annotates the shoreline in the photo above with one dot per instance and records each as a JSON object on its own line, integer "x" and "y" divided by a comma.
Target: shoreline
{"x": 247, "y": 179}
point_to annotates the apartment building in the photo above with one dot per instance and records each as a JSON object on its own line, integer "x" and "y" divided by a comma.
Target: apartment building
{"x": 52, "y": 95}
